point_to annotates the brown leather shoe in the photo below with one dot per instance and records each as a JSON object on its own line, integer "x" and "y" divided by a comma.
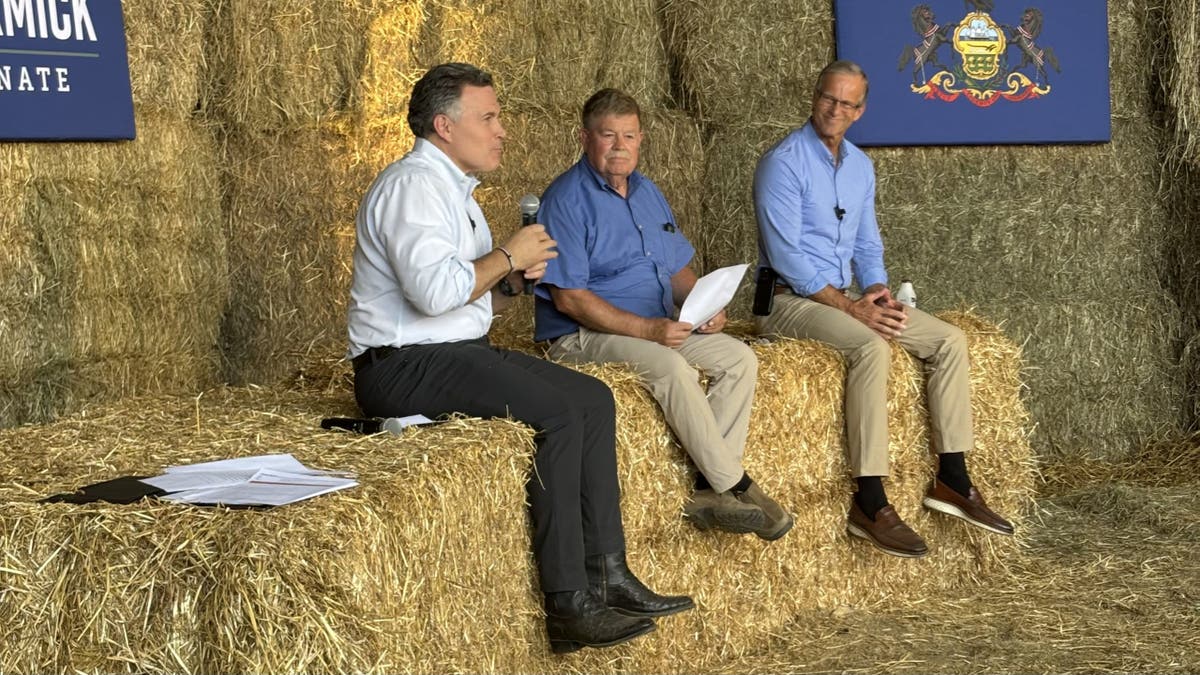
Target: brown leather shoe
{"x": 971, "y": 508}
{"x": 887, "y": 532}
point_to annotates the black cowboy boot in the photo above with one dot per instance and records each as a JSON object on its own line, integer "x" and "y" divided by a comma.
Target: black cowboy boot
{"x": 610, "y": 579}
{"x": 577, "y": 619}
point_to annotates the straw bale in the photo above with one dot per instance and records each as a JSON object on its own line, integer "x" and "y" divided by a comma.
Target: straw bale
{"x": 18, "y": 274}
{"x": 1135, "y": 46}
{"x": 392, "y": 64}
{"x": 547, "y": 53}
{"x": 113, "y": 252}
{"x": 1107, "y": 378}
{"x": 749, "y": 62}
{"x": 425, "y": 566}
{"x": 729, "y": 233}
{"x": 1182, "y": 246}
{"x": 154, "y": 160}
{"x": 1182, "y": 76}
{"x": 165, "y": 44}
{"x": 292, "y": 197}
{"x": 277, "y": 63}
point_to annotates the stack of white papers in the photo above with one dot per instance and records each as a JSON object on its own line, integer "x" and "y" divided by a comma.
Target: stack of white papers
{"x": 263, "y": 480}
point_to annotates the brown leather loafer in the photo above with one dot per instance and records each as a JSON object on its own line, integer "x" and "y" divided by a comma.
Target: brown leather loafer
{"x": 887, "y": 532}
{"x": 971, "y": 508}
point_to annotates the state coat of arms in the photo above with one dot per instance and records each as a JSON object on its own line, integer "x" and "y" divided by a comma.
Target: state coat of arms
{"x": 981, "y": 70}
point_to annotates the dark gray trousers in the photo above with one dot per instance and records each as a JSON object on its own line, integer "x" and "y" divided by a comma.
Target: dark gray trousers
{"x": 574, "y": 494}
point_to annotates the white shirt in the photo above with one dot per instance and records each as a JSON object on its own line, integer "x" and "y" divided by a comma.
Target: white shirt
{"x": 413, "y": 270}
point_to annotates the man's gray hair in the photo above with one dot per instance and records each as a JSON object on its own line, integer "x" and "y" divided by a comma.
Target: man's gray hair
{"x": 439, "y": 92}
{"x": 843, "y": 68}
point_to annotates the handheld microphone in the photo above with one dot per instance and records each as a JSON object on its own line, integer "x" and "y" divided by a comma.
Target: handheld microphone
{"x": 529, "y": 208}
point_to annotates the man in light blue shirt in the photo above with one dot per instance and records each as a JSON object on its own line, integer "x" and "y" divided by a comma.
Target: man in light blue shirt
{"x": 611, "y": 296}
{"x": 814, "y": 198}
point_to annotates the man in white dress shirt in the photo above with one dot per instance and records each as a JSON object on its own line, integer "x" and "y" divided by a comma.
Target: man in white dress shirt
{"x": 427, "y": 280}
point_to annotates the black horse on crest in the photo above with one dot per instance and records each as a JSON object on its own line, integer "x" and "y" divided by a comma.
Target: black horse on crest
{"x": 1023, "y": 37}
{"x": 932, "y": 37}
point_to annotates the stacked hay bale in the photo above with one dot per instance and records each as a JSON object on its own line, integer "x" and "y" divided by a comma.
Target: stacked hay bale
{"x": 1177, "y": 63}
{"x": 425, "y": 567}
{"x": 314, "y": 103}
{"x": 114, "y": 272}
{"x": 282, "y": 87}
{"x": 1062, "y": 244}
{"x": 746, "y": 72}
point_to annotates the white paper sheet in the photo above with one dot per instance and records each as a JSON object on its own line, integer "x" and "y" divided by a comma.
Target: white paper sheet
{"x": 281, "y": 462}
{"x": 265, "y": 488}
{"x": 263, "y": 480}
{"x": 176, "y": 481}
{"x": 710, "y": 294}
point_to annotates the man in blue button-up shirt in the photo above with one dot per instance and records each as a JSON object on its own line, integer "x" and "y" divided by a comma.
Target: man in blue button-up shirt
{"x": 814, "y": 197}
{"x": 611, "y": 296}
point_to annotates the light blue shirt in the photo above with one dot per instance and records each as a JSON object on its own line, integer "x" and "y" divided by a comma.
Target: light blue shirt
{"x": 623, "y": 249}
{"x": 798, "y": 190}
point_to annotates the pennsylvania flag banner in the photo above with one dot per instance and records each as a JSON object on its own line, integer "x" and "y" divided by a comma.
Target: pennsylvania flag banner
{"x": 64, "y": 72}
{"x": 955, "y": 72}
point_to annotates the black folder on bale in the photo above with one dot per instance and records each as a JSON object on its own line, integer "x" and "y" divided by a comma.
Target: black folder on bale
{"x": 123, "y": 490}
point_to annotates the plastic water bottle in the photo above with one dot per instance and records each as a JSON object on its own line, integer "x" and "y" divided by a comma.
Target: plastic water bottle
{"x": 906, "y": 295}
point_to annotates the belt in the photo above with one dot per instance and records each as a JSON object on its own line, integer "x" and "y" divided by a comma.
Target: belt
{"x": 370, "y": 356}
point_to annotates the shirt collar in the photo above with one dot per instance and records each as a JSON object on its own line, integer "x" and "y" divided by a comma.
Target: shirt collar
{"x": 634, "y": 178}
{"x": 442, "y": 162}
{"x": 809, "y": 134}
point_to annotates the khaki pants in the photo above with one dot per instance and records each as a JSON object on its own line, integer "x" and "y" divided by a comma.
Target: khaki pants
{"x": 942, "y": 348}
{"x": 711, "y": 427}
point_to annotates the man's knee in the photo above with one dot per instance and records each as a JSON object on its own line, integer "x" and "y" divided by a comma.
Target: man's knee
{"x": 593, "y": 394}
{"x": 743, "y": 359}
{"x": 666, "y": 365}
{"x": 955, "y": 341}
{"x": 873, "y": 350}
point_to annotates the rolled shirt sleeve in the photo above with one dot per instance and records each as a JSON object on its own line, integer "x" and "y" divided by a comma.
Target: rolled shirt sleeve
{"x": 565, "y": 222}
{"x": 423, "y": 255}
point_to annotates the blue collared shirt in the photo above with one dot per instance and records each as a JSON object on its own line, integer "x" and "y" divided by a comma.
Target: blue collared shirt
{"x": 623, "y": 249}
{"x": 797, "y": 191}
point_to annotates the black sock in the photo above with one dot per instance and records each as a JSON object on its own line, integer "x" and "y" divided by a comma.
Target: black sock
{"x": 742, "y": 485}
{"x": 702, "y": 482}
{"x": 870, "y": 496}
{"x": 952, "y": 471}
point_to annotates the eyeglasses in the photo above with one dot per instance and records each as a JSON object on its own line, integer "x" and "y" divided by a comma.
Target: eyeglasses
{"x": 845, "y": 106}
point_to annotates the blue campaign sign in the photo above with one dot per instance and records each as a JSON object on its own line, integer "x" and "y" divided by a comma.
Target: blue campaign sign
{"x": 64, "y": 73}
{"x": 947, "y": 72}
